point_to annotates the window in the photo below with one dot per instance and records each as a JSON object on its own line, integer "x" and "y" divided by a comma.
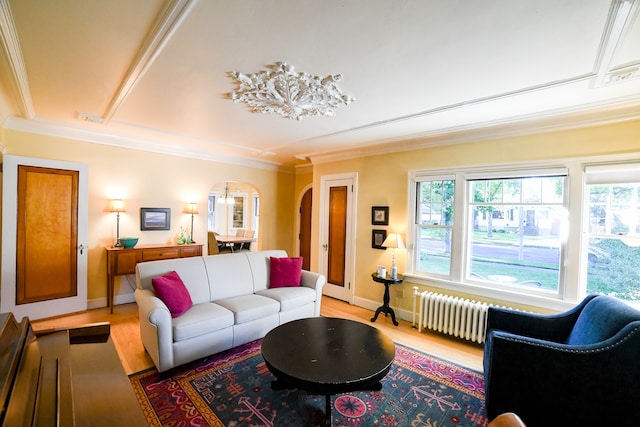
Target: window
{"x": 495, "y": 230}
{"x": 613, "y": 230}
{"x": 211, "y": 211}
{"x": 434, "y": 224}
{"x": 515, "y": 229}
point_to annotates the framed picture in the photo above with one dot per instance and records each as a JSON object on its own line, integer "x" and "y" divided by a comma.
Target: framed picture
{"x": 377, "y": 238}
{"x": 155, "y": 218}
{"x": 380, "y": 215}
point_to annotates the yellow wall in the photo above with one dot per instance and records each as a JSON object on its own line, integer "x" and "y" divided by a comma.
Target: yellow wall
{"x": 382, "y": 180}
{"x": 154, "y": 180}
{"x": 145, "y": 179}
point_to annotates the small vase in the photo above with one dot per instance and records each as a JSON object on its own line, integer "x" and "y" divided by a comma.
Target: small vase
{"x": 181, "y": 240}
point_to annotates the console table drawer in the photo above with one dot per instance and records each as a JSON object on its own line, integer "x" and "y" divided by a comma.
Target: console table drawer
{"x": 164, "y": 253}
{"x": 189, "y": 251}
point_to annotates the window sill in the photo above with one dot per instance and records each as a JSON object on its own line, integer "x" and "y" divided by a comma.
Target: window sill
{"x": 496, "y": 295}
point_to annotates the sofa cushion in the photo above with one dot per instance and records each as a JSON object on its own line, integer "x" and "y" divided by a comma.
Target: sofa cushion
{"x": 285, "y": 272}
{"x": 259, "y": 263}
{"x": 229, "y": 275}
{"x": 201, "y": 319}
{"x": 290, "y": 297}
{"x": 246, "y": 308}
{"x": 171, "y": 290}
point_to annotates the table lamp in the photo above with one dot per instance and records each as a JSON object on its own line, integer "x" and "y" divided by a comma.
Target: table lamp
{"x": 191, "y": 208}
{"x": 393, "y": 240}
{"x": 117, "y": 205}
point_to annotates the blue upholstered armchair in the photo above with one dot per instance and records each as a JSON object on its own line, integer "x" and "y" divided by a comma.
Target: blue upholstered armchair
{"x": 582, "y": 366}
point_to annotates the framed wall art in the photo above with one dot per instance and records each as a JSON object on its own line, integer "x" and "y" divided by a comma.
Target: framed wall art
{"x": 155, "y": 218}
{"x": 380, "y": 215}
{"x": 377, "y": 238}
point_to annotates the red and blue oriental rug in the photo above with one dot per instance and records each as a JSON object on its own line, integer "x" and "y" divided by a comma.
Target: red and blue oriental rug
{"x": 233, "y": 388}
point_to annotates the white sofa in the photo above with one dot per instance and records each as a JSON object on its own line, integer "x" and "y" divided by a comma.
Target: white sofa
{"x": 232, "y": 305}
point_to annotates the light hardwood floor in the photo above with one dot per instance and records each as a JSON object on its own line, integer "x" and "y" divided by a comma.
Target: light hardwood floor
{"x": 125, "y": 333}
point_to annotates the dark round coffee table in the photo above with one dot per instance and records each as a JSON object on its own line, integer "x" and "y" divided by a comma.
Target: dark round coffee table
{"x": 327, "y": 356}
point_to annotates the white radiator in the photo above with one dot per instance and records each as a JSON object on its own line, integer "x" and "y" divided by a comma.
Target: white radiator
{"x": 453, "y": 315}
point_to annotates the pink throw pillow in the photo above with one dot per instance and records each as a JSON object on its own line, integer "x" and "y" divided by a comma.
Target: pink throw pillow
{"x": 172, "y": 291}
{"x": 285, "y": 272}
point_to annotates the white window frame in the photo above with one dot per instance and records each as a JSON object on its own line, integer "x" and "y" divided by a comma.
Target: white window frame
{"x": 569, "y": 290}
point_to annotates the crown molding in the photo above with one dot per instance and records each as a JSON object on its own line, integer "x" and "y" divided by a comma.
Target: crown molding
{"x": 597, "y": 114}
{"x": 11, "y": 46}
{"x": 100, "y": 136}
{"x": 169, "y": 21}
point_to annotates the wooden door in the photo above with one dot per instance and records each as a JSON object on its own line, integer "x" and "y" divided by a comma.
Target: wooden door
{"x": 305, "y": 229}
{"x": 44, "y": 232}
{"x": 337, "y": 235}
{"x": 47, "y": 234}
{"x": 337, "y": 225}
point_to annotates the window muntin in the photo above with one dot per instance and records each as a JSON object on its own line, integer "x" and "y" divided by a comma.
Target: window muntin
{"x": 515, "y": 231}
{"x": 434, "y": 226}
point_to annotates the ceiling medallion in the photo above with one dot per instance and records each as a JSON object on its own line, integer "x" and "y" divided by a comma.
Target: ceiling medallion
{"x": 293, "y": 95}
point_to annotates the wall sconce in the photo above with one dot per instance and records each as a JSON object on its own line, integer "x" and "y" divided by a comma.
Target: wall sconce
{"x": 226, "y": 196}
{"x": 117, "y": 206}
{"x": 393, "y": 240}
{"x": 191, "y": 208}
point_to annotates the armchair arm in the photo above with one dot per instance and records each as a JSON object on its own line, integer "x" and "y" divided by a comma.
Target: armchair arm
{"x": 534, "y": 377}
{"x": 551, "y": 327}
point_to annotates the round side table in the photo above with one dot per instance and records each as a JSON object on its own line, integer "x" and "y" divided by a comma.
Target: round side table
{"x": 384, "y": 308}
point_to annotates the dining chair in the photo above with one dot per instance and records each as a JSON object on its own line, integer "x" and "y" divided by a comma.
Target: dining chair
{"x": 213, "y": 247}
{"x": 247, "y": 245}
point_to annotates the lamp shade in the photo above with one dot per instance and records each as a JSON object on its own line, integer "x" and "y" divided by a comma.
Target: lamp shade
{"x": 117, "y": 205}
{"x": 191, "y": 208}
{"x": 393, "y": 240}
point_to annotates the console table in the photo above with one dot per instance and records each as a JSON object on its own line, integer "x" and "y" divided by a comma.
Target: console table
{"x": 122, "y": 261}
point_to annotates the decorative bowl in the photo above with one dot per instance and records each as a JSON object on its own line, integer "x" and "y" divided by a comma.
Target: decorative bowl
{"x": 128, "y": 242}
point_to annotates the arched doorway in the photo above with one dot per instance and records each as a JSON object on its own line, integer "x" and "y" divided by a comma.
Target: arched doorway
{"x": 233, "y": 206}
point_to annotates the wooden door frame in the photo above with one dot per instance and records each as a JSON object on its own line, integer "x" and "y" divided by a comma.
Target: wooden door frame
{"x": 296, "y": 224}
{"x": 350, "y": 253}
{"x": 41, "y": 309}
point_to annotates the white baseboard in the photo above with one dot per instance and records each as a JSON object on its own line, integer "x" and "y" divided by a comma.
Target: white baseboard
{"x": 373, "y": 306}
{"x": 118, "y": 299}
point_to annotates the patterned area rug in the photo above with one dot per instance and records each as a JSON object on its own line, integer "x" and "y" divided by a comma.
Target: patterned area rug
{"x": 233, "y": 388}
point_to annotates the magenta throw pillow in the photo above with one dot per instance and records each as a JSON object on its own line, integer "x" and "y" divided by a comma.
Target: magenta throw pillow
{"x": 172, "y": 291}
{"x": 285, "y": 272}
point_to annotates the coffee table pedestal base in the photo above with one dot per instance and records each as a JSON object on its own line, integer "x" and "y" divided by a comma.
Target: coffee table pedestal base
{"x": 281, "y": 385}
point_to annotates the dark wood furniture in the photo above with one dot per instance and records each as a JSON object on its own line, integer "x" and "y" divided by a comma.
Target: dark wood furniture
{"x": 327, "y": 356}
{"x": 64, "y": 377}
{"x": 385, "y": 308}
{"x": 121, "y": 261}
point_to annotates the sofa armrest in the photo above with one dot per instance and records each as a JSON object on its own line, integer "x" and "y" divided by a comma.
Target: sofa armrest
{"x": 156, "y": 329}
{"x": 315, "y": 281}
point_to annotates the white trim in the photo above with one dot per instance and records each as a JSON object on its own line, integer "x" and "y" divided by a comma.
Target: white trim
{"x": 171, "y": 17}
{"x": 11, "y": 46}
{"x": 350, "y": 250}
{"x": 163, "y": 146}
{"x": 58, "y": 306}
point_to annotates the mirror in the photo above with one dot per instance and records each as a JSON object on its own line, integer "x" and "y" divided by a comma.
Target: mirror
{"x": 233, "y": 206}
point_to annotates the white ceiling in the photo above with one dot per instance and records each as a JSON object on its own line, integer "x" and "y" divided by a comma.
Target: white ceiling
{"x": 153, "y": 74}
